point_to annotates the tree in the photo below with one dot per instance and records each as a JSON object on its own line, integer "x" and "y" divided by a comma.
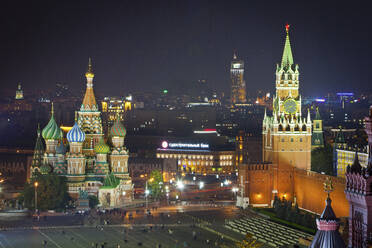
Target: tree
{"x": 322, "y": 160}
{"x": 93, "y": 201}
{"x": 51, "y": 192}
{"x": 155, "y": 184}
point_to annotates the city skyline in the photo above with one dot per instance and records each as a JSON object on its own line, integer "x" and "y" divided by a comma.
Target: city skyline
{"x": 136, "y": 46}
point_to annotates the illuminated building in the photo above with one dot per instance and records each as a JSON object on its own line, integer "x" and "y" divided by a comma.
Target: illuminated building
{"x": 286, "y": 143}
{"x": 286, "y": 134}
{"x": 238, "y": 91}
{"x": 90, "y": 166}
{"x": 141, "y": 168}
{"x": 198, "y": 157}
{"x": 345, "y": 157}
{"x": 317, "y": 137}
{"x": 89, "y": 117}
{"x": 111, "y": 106}
{"x": 19, "y": 92}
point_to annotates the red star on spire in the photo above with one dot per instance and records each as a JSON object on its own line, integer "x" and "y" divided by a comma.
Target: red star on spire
{"x": 287, "y": 27}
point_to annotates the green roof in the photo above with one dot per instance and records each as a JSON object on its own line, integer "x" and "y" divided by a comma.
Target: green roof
{"x": 287, "y": 59}
{"x": 317, "y": 115}
{"x": 111, "y": 181}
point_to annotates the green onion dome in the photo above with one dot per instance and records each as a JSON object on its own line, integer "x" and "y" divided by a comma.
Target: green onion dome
{"x": 52, "y": 131}
{"x": 118, "y": 129}
{"x": 102, "y": 147}
{"x": 45, "y": 169}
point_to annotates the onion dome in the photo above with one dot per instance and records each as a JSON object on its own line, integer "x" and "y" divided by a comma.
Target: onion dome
{"x": 102, "y": 147}
{"x": 52, "y": 131}
{"x": 61, "y": 148}
{"x": 118, "y": 129}
{"x": 45, "y": 169}
{"x": 75, "y": 134}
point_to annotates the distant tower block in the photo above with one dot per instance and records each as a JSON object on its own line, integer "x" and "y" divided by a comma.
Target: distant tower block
{"x": 238, "y": 91}
{"x": 19, "y": 92}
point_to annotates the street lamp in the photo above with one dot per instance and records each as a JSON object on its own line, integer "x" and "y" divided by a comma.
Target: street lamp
{"x": 147, "y": 192}
{"x": 180, "y": 185}
{"x": 201, "y": 185}
{"x": 36, "y": 184}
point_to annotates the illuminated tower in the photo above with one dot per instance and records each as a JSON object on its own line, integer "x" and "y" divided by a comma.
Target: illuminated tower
{"x": 51, "y": 134}
{"x": 317, "y": 137}
{"x": 286, "y": 134}
{"x": 119, "y": 154}
{"x": 89, "y": 117}
{"x": 238, "y": 91}
{"x": 76, "y": 161}
{"x": 19, "y": 92}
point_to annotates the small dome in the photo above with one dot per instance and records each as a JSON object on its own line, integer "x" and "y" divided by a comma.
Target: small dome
{"x": 51, "y": 131}
{"x": 75, "y": 134}
{"x": 45, "y": 169}
{"x": 102, "y": 147}
{"x": 118, "y": 129}
{"x": 61, "y": 148}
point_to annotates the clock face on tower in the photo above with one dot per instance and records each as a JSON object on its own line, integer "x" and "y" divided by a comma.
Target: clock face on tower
{"x": 290, "y": 106}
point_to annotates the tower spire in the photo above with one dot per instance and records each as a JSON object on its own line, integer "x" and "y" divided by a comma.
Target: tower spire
{"x": 287, "y": 59}
{"x": 89, "y": 73}
{"x": 52, "y": 110}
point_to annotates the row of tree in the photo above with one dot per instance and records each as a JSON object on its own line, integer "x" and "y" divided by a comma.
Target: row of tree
{"x": 284, "y": 210}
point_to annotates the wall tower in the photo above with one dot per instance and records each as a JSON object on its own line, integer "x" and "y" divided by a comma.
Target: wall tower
{"x": 286, "y": 134}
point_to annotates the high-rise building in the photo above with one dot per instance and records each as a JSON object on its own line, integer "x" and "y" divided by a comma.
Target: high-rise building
{"x": 286, "y": 134}
{"x": 238, "y": 91}
{"x": 19, "y": 92}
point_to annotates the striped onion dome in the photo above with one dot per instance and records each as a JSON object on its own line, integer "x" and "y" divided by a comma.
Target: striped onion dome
{"x": 52, "y": 131}
{"x": 61, "y": 148}
{"x": 102, "y": 147}
{"x": 118, "y": 129}
{"x": 75, "y": 134}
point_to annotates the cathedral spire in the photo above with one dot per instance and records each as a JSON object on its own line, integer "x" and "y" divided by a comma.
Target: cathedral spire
{"x": 287, "y": 59}
{"x": 89, "y": 101}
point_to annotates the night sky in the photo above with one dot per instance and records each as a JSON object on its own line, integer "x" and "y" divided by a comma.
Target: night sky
{"x": 150, "y": 45}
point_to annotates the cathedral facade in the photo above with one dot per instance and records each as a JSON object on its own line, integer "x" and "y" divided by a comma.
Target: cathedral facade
{"x": 90, "y": 165}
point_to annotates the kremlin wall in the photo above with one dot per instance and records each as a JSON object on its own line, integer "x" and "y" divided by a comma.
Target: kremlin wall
{"x": 263, "y": 181}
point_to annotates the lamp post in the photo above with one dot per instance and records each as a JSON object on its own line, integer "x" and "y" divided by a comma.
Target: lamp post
{"x": 36, "y": 184}
{"x": 146, "y": 194}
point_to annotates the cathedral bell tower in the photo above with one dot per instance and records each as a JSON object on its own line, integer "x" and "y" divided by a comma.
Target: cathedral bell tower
{"x": 287, "y": 134}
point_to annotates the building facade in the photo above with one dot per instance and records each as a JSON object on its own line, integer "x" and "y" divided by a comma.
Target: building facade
{"x": 198, "y": 158}
{"x": 286, "y": 135}
{"x": 238, "y": 90}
